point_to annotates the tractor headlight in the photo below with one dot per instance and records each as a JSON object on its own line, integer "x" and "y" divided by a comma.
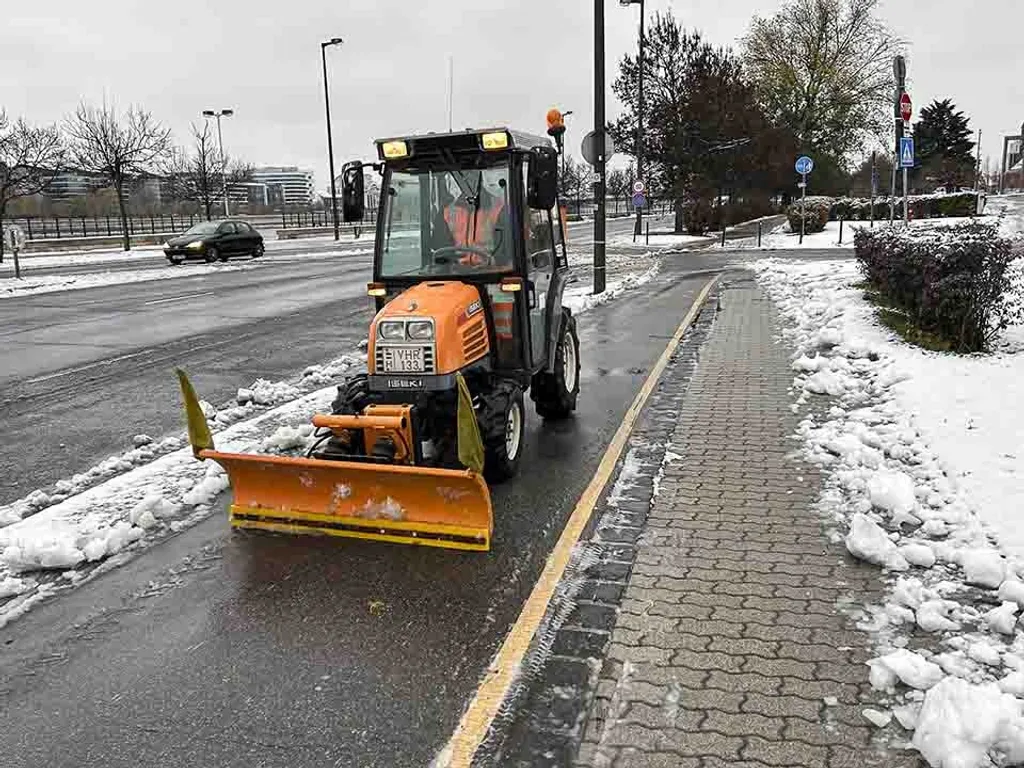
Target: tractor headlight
{"x": 421, "y": 330}
{"x": 391, "y": 330}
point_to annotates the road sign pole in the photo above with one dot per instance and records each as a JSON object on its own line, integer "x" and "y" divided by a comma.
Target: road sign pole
{"x": 599, "y": 128}
{"x": 906, "y": 200}
{"x": 874, "y": 188}
{"x": 640, "y": 121}
{"x": 803, "y": 200}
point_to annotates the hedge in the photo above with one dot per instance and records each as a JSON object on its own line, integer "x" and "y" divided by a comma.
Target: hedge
{"x": 959, "y": 204}
{"x": 815, "y": 213}
{"x": 950, "y": 282}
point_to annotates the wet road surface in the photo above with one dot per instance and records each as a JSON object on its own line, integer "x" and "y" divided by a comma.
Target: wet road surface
{"x": 270, "y": 650}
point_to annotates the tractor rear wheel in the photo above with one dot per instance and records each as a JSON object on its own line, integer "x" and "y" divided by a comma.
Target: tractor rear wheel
{"x": 503, "y": 426}
{"x": 554, "y": 393}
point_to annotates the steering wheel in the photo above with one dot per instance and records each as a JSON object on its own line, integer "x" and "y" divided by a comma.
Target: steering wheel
{"x": 440, "y": 254}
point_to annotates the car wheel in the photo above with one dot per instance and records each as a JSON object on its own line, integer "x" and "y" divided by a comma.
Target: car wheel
{"x": 212, "y": 254}
{"x": 258, "y": 251}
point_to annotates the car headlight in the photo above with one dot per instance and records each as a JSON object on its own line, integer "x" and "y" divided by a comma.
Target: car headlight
{"x": 421, "y": 330}
{"x": 391, "y": 330}
{"x": 195, "y": 245}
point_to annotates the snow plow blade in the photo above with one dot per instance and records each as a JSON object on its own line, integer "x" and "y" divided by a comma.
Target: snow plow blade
{"x": 383, "y": 502}
{"x": 400, "y": 503}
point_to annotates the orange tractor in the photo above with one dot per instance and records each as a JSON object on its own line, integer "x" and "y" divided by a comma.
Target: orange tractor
{"x": 469, "y": 271}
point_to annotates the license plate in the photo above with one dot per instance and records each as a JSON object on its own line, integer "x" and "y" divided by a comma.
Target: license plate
{"x": 403, "y": 359}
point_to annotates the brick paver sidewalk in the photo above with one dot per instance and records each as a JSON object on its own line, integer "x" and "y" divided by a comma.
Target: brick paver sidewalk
{"x": 731, "y": 647}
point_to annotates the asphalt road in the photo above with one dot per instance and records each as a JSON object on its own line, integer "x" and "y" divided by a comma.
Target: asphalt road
{"x": 220, "y": 649}
{"x": 82, "y": 371}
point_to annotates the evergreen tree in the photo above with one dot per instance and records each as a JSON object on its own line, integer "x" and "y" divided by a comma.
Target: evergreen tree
{"x": 943, "y": 148}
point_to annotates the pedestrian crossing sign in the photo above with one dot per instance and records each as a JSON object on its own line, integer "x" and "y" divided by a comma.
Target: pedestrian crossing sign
{"x": 906, "y": 152}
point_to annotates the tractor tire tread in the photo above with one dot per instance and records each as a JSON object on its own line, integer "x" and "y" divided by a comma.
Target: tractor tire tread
{"x": 552, "y": 399}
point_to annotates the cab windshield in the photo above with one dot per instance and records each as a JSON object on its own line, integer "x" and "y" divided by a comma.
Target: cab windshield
{"x": 443, "y": 219}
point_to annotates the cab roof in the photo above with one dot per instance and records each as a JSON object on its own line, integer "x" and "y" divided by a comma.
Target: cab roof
{"x": 469, "y": 140}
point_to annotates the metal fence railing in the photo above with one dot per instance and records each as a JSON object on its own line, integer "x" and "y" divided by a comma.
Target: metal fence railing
{"x": 60, "y": 227}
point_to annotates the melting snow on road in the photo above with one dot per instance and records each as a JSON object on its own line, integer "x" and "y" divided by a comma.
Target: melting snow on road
{"x": 925, "y": 478}
{"x": 130, "y": 501}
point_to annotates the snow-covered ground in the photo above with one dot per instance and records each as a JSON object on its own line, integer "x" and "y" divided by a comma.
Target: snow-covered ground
{"x": 924, "y": 477}
{"x": 781, "y": 238}
{"x": 32, "y": 284}
{"x": 145, "y": 253}
{"x": 657, "y": 241}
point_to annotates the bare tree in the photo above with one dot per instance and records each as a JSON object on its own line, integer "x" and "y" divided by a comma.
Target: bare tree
{"x": 117, "y": 147}
{"x": 199, "y": 175}
{"x": 30, "y": 157}
{"x": 824, "y": 68}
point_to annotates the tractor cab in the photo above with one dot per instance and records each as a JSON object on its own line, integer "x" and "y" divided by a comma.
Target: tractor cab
{"x": 479, "y": 208}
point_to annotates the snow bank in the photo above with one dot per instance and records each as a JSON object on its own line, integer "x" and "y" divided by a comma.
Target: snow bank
{"x": 923, "y": 478}
{"x": 961, "y": 724}
{"x": 580, "y": 299}
{"x": 259, "y": 396}
{"x": 33, "y": 284}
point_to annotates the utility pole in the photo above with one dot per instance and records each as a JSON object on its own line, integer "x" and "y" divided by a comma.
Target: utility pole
{"x": 977, "y": 164}
{"x": 220, "y": 145}
{"x": 899, "y": 70}
{"x": 599, "y": 130}
{"x": 330, "y": 143}
{"x": 639, "y": 140}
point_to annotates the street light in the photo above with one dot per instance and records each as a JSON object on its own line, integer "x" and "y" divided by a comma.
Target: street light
{"x": 639, "y": 150}
{"x": 220, "y": 144}
{"x": 330, "y": 143}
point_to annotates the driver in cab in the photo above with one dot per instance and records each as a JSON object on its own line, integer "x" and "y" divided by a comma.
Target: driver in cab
{"x": 479, "y": 221}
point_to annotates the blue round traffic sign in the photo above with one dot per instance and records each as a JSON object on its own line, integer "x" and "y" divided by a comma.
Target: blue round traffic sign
{"x": 639, "y": 201}
{"x": 804, "y": 165}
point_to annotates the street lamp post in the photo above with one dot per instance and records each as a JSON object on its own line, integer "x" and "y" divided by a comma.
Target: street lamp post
{"x": 639, "y": 150}
{"x": 208, "y": 113}
{"x": 330, "y": 144}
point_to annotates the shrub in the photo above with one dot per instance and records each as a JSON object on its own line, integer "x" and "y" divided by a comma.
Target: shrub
{"x": 816, "y": 214}
{"x": 954, "y": 282}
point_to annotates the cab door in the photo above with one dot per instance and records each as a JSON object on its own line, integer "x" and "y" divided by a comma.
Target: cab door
{"x": 540, "y": 261}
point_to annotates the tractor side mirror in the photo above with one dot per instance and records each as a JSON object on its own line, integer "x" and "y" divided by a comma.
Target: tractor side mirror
{"x": 542, "y": 178}
{"x": 352, "y": 193}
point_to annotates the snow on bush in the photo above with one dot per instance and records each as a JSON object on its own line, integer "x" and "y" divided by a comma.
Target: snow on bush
{"x": 954, "y": 282}
{"x": 950, "y": 587}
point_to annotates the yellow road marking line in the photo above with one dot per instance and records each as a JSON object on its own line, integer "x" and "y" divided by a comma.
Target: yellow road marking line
{"x": 477, "y": 718}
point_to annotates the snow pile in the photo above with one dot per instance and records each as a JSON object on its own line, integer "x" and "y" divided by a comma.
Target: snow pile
{"x": 35, "y": 284}
{"x": 260, "y": 395}
{"x": 961, "y": 725}
{"x": 580, "y": 299}
{"x": 931, "y": 496}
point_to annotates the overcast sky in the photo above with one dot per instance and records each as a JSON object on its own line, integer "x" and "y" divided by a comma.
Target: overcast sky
{"x": 512, "y": 61}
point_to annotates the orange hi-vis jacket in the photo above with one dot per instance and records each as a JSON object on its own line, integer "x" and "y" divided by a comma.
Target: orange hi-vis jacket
{"x": 459, "y": 218}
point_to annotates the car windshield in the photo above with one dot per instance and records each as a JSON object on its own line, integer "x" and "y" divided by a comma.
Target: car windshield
{"x": 446, "y": 220}
{"x": 202, "y": 228}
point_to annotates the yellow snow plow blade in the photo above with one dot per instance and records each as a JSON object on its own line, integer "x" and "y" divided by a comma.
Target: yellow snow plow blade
{"x": 406, "y": 504}
{"x": 399, "y": 503}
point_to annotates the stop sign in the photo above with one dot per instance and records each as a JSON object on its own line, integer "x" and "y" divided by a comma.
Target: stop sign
{"x": 906, "y": 108}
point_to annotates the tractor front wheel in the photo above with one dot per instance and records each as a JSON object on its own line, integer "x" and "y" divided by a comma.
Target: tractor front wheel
{"x": 554, "y": 393}
{"x": 503, "y": 424}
